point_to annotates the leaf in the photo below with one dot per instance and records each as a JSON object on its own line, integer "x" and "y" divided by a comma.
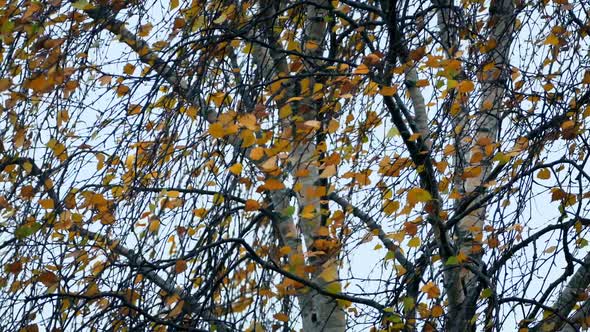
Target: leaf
{"x": 58, "y": 149}
{"x": 145, "y": 30}
{"x": 82, "y": 5}
{"x": 388, "y": 91}
{"x": 362, "y": 69}
{"x": 216, "y": 130}
{"x": 248, "y": 121}
{"x": 122, "y": 90}
{"x": 241, "y": 304}
{"x": 154, "y": 225}
{"x": 544, "y": 174}
{"x": 257, "y": 153}
{"x": 48, "y": 278}
{"x": 414, "y": 242}
{"x": 390, "y": 206}
{"x": 328, "y": 171}
{"x": 173, "y": 194}
{"x": 5, "y": 83}
{"x": 436, "y": 311}
{"x": 174, "y": 4}
{"x": 273, "y": 184}
{"x": 418, "y": 195}
{"x": 251, "y": 205}
{"x": 236, "y": 169}
{"x": 283, "y": 317}
{"x": 551, "y": 40}
{"x": 180, "y": 266}
{"x": 550, "y": 249}
{"x": 308, "y": 212}
{"x": 486, "y": 293}
{"x": 465, "y": 86}
{"x": 27, "y": 230}
{"x": 129, "y": 69}
{"x": 47, "y": 203}
{"x": 431, "y": 289}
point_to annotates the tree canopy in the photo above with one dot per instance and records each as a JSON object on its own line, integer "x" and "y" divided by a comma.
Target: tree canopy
{"x": 315, "y": 165}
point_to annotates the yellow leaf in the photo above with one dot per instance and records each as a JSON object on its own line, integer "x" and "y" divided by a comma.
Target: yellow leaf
{"x": 362, "y": 69}
{"x": 154, "y": 225}
{"x": 465, "y": 86}
{"x": 173, "y": 4}
{"x": 248, "y": 121}
{"x": 436, "y": 311}
{"x": 388, "y": 91}
{"x": 173, "y": 194}
{"x": 134, "y": 109}
{"x": 129, "y": 69}
{"x": 236, "y": 169}
{"x": 431, "y": 289}
{"x": 418, "y": 195}
{"x": 216, "y": 130}
{"x": 390, "y": 206}
{"x": 144, "y": 30}
{"x": 544, "y": 174}
{"x": 47, "y": 203}
{"x": 58, "y": 149}
{"x": 551, "y": 40}
{"x": 308, "y": 212}
{"x": 414, "y": 242}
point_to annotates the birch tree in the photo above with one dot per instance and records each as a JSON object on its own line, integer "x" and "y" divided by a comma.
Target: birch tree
{"x": 263, "y": 165}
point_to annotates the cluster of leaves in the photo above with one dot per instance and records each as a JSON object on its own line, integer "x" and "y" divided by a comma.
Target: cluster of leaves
{"x": 236, "y": 165}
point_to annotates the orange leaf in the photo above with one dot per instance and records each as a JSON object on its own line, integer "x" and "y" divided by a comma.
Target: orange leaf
{"x": 180, "y": 266}
{"x": 5, "y": 84}
{"x": 273, "y": 184}
{"x": 236, "y": 169}
{"x": 252, "y": 205}
{"x": 465, "y": 86}
{"x": 257, "y": 153}
{"x": 47, "y": 203}
{"x": 388, "y": 91}
{"x": 122, "y": 90}
{"x": 281, "y": 317}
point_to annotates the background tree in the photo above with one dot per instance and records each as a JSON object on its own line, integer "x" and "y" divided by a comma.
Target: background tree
{"x": 318, "y": 165}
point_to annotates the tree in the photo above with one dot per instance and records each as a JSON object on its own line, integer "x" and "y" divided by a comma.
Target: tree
{"x": 318, "y": 165}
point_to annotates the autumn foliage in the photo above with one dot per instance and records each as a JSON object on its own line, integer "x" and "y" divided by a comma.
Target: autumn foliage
{"x": 264, "y": 165}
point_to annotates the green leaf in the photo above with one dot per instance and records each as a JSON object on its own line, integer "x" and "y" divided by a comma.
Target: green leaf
{"x": 82, "y": 5}
{"x": 289, "y": 211}
{"x": 486, "y": 293}
{"x": 452, "y": 261}
{"x": 27, "y": 230}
